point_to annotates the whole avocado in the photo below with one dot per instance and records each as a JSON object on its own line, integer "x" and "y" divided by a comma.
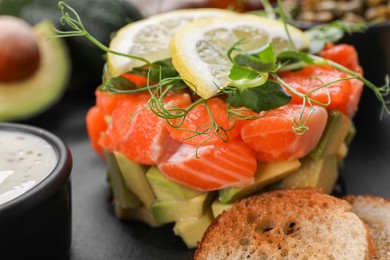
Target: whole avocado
{"x": 100, "y": 17}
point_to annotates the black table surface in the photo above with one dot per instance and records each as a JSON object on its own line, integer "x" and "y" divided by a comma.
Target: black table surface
{"x": 97, "y": 234}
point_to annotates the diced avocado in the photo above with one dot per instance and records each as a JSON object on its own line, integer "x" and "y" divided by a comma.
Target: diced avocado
{"x": 26, "y": 98}
{"x": 166, "y": 211}
{"x": 134, "y": 175}
{"x": 191, "y": 230}
{"x": 166, "y": 189}
{"x": 122, "y": 194}
{"x": 342, "y": 152}
{"x": 337, "y": 129}
{"x": 139, "y": 214}
{"x": 266, "y": 174}
{"x": 351, "y": 135}
{"x": 218, "y": 207}
{"x": 321, "y": 173}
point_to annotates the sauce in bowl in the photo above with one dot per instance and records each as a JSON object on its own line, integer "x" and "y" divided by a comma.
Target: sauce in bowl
{"x": 25, "y": 160}
{"x": 35, "y": 194}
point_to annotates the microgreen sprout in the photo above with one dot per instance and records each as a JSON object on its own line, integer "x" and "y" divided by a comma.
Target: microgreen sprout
{"x": 255, "y": 89}
{"x": 70, "y": 17}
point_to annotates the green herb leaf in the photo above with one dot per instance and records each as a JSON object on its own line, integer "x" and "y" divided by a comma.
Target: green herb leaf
{"x": 120, "y": 83}
{"x": 294, "y": 56}
{"x": 157, "y": 70}
{"x": 266, "y": 97}
{"x": 264, "y": 61}
{"x": 239, "y": 72}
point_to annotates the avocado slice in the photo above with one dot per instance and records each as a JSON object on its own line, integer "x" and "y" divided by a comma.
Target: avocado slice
{"x": 134, "y": 177}
{"x": 29, "y": 97}
{"x": 217, "y": 207}
{"x": 122, "y": 195}
{"x": 266, "y": 174}
{"x": 167, "y": 211}
{"x": 339, "y": 129}
{"x": 166, "y": 189}
{"x": 141, "y": 214}
{"x": 320, "y": 173}
{"x": 191, "y": 230}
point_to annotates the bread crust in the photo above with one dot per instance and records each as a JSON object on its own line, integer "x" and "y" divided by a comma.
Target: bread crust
{"x": 279, "y": 224}
{"x": 375, "y": 213}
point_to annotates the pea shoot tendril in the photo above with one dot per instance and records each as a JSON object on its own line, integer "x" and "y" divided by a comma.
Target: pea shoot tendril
{"x": 255, "y": 82}
{"x": 71, "y": 17}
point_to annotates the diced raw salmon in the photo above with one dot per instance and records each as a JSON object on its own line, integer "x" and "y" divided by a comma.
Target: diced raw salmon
{"x": 197, "y": 127}
{"x": 139, "y": 133}
{"x": 228, "y": 164}
{"x": 272, "y": 138}
{"x": 96, "y": 125}
{"x": 343, "y": 54}
{"x": 347, "y": 56}
{"x": 308, "y": 79}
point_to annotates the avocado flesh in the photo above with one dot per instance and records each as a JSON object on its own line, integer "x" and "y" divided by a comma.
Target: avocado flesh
{"x": 141, "y": 214}
{"x": 192, "y": 211}
{"x": 135, "y": 179}
{"x": 122, "y": 195}
{"x": 23, "y": 99}
{"x": 191, "y": 230}
{"x": 318, "y": 173}
{"x": 167, "y": 211}
{"x": 166, "y": 189}
{"x": 339, "y": 129}
{"x": 266, "y": 174}
{"x": 217, "y": 207}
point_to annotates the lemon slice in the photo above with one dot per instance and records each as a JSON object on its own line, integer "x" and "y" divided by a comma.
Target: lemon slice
{"x": 199, "y": 49}
{"x": 149, "y": 38}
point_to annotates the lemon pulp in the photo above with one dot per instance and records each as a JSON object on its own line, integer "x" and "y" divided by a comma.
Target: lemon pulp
{"x": 199, "y": 49}
{"x": 149, "y": 38}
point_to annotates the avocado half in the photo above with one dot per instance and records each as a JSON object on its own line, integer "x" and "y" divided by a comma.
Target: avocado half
{"x": 27, "y": 98}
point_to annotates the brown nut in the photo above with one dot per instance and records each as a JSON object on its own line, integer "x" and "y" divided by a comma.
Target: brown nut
{"x": 19, "y": 51}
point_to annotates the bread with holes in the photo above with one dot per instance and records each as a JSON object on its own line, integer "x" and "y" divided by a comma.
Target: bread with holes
{"x": 375, "y": 212}
{"x": 287, "y": 224}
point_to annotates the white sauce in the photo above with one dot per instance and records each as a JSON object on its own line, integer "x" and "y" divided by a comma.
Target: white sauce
{"x": 25, "y": 160}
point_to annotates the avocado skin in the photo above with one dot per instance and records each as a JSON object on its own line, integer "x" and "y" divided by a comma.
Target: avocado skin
{"x": 100, "y": 17}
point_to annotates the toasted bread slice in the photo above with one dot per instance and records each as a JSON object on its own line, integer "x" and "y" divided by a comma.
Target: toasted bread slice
{"x": 375, "y": 212}
{"x": 287, "y": 224}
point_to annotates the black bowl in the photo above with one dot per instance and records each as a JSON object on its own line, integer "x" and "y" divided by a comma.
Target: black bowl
{"x": 37, "y": 224}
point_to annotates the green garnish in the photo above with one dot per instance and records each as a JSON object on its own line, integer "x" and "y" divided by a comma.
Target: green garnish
{"x": 268, "y": 96}
{"x": 79, "y": 30}
{"x": 333, "y": 32}
{"x": 255, "y": 83}
{"x": 250, "y": 86}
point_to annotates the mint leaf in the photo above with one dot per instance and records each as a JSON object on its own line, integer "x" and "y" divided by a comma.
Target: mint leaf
{"x": 266, "y": 97}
